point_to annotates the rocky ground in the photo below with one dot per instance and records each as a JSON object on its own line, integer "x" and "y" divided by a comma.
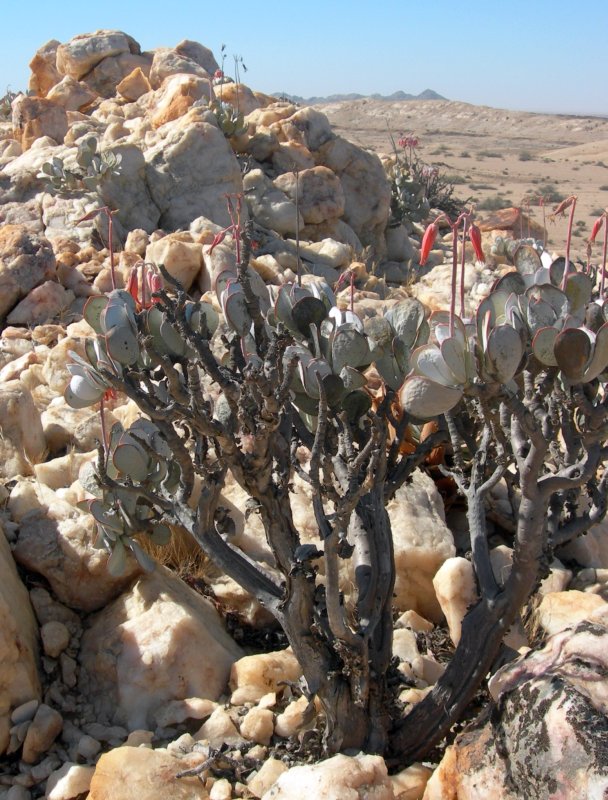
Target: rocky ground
{"x": 111, "y": 686}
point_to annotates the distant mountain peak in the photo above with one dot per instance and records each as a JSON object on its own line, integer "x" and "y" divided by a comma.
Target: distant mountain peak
{"x": 427, "y": 94}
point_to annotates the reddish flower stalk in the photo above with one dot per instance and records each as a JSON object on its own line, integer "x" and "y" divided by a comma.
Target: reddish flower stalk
{"x": 569, "y": 202}
{"x": 142, "y": 291}
{"x": 465, "y": 223}
{"x": 428, "y": 240}
{"x": 109, "y": 214}
{"x": 602, "y": 220}
{"x": 541, "y": 203}
{"x": 604, "y": 257}
{"x": 475, "y": 237}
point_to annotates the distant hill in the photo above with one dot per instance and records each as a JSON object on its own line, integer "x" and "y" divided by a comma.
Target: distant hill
{"x": 427, "y": 94}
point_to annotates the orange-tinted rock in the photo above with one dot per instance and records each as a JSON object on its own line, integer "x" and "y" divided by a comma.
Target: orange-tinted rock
{"x": 34, "y": 117}
{"x": 513, "y": 220}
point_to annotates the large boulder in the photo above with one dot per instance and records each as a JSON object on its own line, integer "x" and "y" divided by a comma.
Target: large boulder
{"x": 22, "y": 441}
{"x": 551, "y": 720}
{"x": 35, "y": 117}
{"x": 190, "y": 167}
{"x": 19, "y": 681}
{"x": 62, "y": 551}
{"x": 158, "y": 642}
{"x": 422, "y": 543}
{"x": 26, "y": 261}
{"x": 83, "y": 52}
{"x": 138, "y": 773}
{"x": 364, "y": 777}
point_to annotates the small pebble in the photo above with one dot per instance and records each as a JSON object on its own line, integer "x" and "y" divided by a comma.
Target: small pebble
{"x": 55, "y": 638}
{"x": 24, "y": 712}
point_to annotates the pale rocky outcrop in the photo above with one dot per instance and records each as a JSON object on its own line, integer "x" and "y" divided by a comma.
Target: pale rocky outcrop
{"x": 269, "y": 205}
{"x": 83, "y": 52}
{"x": 252, "y": 677}
{"x": 321, "y": 197}
{"x": 44, "y": 303}
{"x": 180, "y": 256}
{"x": 62, "y": 550}
{"x": 190, "y": 168}
{"x": 19, "y": 680}
{"x": 22, "y": 441}
{"x": 73, "y": 95}
{"x": 168, "y": 61}
{"x": 156, "y": 643}
{"x": 43, "y": 65}
{"x": 138, "y": 773}
{"x": 552, "y": 724}
{"x": 35, "y": 117}
{"x": 338, "y": 778}
{"x": 560, "y": 610}
{"x": 69, "y": 782}
{"x": 422, "y": 543}
{"x": 26, "y": 260}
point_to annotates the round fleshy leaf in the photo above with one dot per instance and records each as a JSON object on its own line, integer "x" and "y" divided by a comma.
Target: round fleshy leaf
{"x": 80, "y": 393}
{"x": 305, "y": 403}
{"x": 306, "y": 312}
{"x": 512, "y": 282}
{"x": 100, "y": 514}
{"x": 540, "y": 315}
{"x": 145, "y": 559}
{"x": 352, "y": 378}
{"x": 578, "y": 291}
{"x": 454, "y": 356}
{"x": 428, "y": 361}
{"x": 556, "y": 271}
{"x": 116, "y": 314}
{"x": 406, "y": 318}
{"x": 543, "y": 345}
{"x": 92, "y": 311}
{"x": 117, "y": 562}
{"x": 389, "y": 370}
{"x": 316, "y": 369}
{"x": 599, "y": 359}
{"x": 423, "y": 398}
{"x": 380, "y": 334}
{"x": 356, "y": 404}
{"x": 493, "y": 307}
{"x": 551, "y": 295}
{"x": 160, "y": 534}
{"x": 122, "y": 345}
{"x": 349, "y": 347}
{"x": 504, "y": 352}
{"x": 572, "y": 351}
{"x": 526, "y": 259}
{"x": 131, "y": 459}
{"x": 334, "y": 389}
{"x": 225, "y": 277}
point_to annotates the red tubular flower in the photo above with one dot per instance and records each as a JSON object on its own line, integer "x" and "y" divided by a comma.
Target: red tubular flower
{"x": 597, "y": 227}
{"x": 475, "y": 237}
{"x": 428, "y": 240}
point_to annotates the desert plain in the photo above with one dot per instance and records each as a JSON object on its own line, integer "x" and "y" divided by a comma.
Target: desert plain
{"x": 496, "y": 157}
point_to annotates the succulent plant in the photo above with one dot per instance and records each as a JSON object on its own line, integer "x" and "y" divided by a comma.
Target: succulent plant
{"x": 138, "y": 458}
{"x": 118, "y": 326}
{"x": 229, "y": 119}
{"x": 92, "y": 169}
{"x": 392, "y": 338}
{"x": 332, "y": 348}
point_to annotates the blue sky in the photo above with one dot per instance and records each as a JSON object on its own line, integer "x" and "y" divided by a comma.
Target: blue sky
{"x": 532, "y": 55}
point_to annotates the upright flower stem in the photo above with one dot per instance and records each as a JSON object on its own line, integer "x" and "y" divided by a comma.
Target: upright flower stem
{"x": 454, "y": 274}
{"x": 604, "y": 259}
{"x": 465, "y": 223}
